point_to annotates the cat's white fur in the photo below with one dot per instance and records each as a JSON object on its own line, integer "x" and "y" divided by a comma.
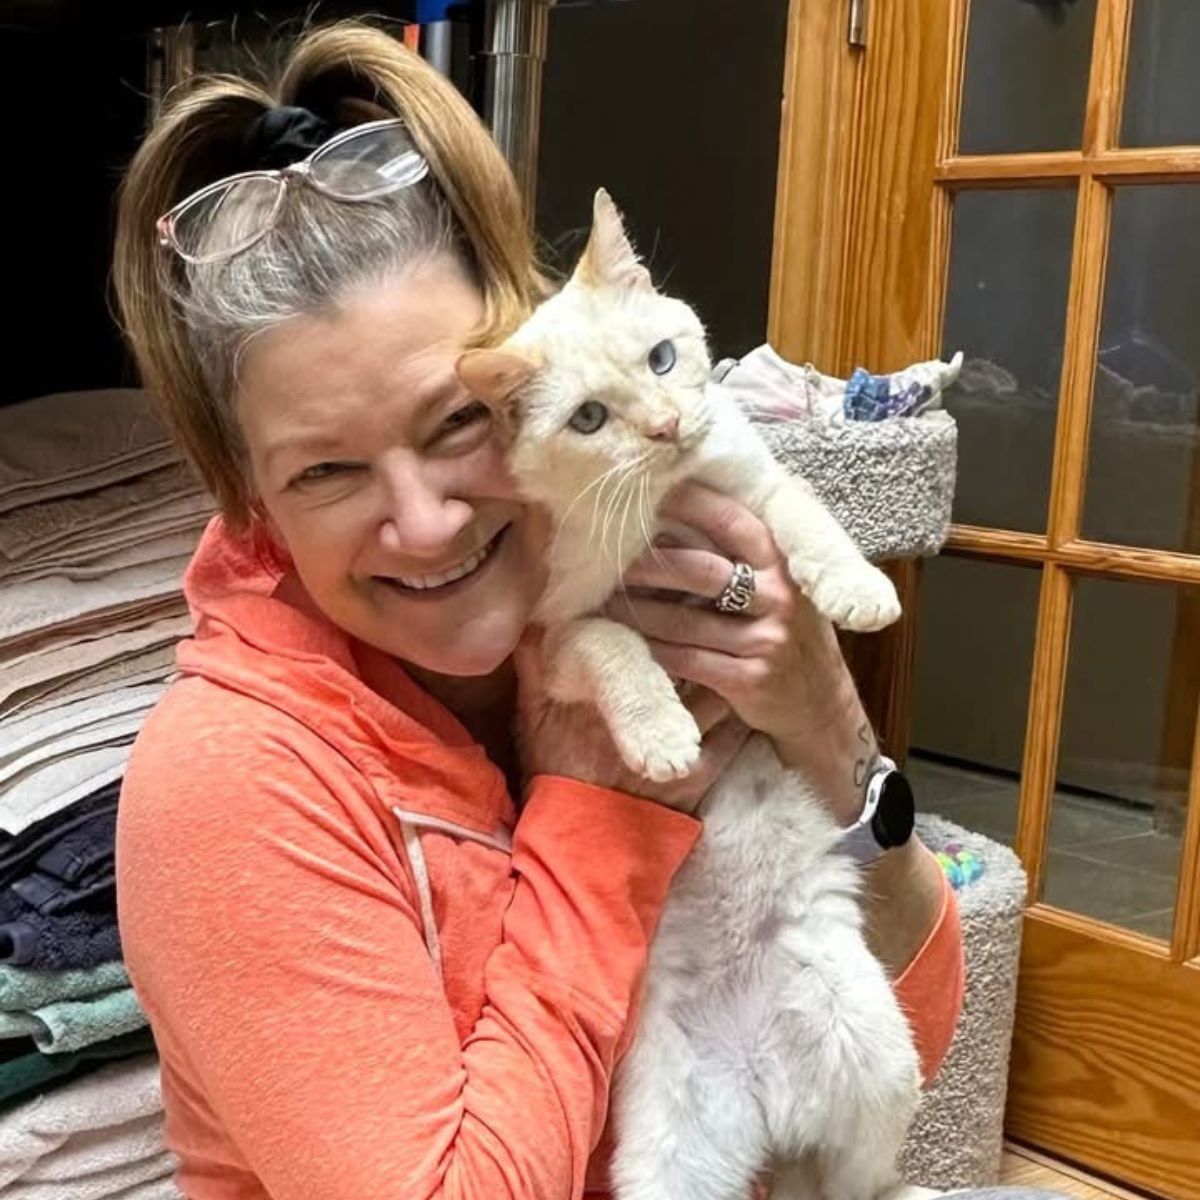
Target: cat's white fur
{"x": 768, "y": 1037}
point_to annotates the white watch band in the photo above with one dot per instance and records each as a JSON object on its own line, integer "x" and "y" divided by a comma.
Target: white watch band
{"x": 859, "y": 840}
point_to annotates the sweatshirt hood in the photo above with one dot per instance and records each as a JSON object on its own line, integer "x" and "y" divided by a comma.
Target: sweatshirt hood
{"x": 413, "y": 750}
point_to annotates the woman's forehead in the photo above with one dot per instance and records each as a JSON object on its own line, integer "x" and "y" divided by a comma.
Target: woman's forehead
{"x": 393, "y": 346}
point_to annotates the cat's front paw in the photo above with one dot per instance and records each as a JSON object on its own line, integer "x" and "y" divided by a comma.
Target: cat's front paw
{"x": 662, "y": 745}
{"x": 856, "y": 596}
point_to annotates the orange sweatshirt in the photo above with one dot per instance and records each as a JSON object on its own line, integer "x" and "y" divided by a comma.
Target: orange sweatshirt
{"x": 365, "y": 977}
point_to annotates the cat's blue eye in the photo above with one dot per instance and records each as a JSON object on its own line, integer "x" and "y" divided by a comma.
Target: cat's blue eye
{"x": 662, "y": 357}
{"x": 588, "y": 417}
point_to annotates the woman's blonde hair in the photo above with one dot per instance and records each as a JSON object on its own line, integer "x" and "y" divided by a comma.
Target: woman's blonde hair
{"x": 188, "y": 325}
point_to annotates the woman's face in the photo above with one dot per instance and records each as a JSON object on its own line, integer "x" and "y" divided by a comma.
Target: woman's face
{"x": 385, "y": 481}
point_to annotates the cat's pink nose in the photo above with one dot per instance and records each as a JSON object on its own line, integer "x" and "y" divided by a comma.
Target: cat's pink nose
{"x": 665, "y": 430}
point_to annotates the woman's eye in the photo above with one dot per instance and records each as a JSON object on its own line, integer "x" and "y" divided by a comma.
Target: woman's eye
{"x": 588, "y": 417}
{"x": 469, "y": 414}
{"x": 319, "y": 471}
{"x": 662, "y": 357}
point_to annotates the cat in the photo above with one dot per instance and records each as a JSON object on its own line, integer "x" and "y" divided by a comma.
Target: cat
{"x": 768, "y": 1036}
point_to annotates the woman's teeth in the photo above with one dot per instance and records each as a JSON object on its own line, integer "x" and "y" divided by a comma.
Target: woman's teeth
{"x": 421, "y": 583}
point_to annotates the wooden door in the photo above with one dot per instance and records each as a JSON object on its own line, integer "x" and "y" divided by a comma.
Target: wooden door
{"x": 1020, "y": 179}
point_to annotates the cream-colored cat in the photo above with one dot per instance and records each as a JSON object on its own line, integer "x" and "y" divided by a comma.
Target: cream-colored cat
{"x": 615, "y": 408}
{"x": 769, "y": 1037}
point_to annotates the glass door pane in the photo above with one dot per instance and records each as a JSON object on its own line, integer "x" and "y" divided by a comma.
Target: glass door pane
{"x": 1143, "y": 484}
{"x": 1162, "y": 85}
{"x": 1006, "y": 307}
{"x": 1129, "y": 720}
{"x": 974, "y": 658}
{"x": 1025, "y": 84}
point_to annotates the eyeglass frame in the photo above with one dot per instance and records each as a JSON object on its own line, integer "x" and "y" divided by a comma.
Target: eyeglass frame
{"x": 302, "y": 170}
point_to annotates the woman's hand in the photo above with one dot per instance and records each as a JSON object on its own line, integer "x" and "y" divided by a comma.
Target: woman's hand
{"x": 572, "y": 739}
{"x": 778, "y": 666}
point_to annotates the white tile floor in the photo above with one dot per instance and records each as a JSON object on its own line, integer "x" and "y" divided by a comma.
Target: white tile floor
{"x": 1105, "y": 860}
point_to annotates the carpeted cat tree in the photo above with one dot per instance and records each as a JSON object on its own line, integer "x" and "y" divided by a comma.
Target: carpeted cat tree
{"x": 889, "y": 478}
{"x": 957, "y": 1138}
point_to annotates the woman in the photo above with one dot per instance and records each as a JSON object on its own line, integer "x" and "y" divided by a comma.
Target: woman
{"x": 365, "y": 975}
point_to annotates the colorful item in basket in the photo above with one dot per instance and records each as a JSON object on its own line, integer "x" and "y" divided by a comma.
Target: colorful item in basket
{"x": 959, "y": 866}
{"x": 907, "y": 393}
{"x": 772, "y": 390}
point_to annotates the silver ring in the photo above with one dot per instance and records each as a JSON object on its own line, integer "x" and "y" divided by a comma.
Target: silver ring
{"x": 739, "y": 591}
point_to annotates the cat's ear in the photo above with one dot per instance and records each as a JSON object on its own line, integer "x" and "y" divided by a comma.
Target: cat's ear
{"x": 494, "y": 375}
{"x": 609, "y": 257}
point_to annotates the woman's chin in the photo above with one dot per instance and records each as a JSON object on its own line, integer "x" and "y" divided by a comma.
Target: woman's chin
{"x": 471, "y": 651}
{"x": 472, "y": 664}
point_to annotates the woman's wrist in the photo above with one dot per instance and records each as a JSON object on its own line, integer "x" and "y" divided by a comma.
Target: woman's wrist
{"x": 904, "y": 893}
{"x": 835, "y": 757}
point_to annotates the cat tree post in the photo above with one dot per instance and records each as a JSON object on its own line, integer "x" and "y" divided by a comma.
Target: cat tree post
{"x": 515, "y": 39}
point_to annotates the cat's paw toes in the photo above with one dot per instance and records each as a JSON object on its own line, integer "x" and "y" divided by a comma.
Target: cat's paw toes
{"x": 662, "y": 748}
{"x": 860, "y": 598}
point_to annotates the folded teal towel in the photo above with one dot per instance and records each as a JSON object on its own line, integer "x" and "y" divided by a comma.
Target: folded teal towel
{"x": 22, "y": 989}
{"x": 72, "y": 1024}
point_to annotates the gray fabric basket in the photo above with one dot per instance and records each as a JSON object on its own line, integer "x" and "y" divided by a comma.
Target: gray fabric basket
{"x": 890, "y": 483}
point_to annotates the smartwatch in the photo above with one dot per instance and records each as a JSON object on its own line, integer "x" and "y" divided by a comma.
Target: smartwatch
{"x": 887, "y": 817}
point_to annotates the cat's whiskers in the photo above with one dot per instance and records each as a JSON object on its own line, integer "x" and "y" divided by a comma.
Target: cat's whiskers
{"x": 623, "y": 473}
{"x": 643, "y": 512}
{"x": 612, "y": 476}
{"x": 633, "y": 496}
{"x": 610, "y": 508}
{"x": 627, "y": 476}
{"x": 615, "y": 475}
{"x": 600, "y": 481}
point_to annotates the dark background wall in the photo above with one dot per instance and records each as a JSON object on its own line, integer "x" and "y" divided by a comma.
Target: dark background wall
{"x": 71, "y": 122}
{"x": 674, "y": 106}
{"x": 671, "y": 104}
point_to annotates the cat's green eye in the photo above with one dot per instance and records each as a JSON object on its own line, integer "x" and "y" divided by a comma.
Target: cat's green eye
{"x": 588, "y": 417}
{"x": 662, "y": 357}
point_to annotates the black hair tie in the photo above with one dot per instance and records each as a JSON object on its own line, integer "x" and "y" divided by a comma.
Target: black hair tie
{"x": 283, "y": 135}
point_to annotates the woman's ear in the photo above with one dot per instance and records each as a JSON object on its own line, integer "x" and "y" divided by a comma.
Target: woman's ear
{"x": 494, "y": 376}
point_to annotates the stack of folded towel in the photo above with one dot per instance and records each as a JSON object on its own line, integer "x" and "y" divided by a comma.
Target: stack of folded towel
{"x": 97, "y": 522}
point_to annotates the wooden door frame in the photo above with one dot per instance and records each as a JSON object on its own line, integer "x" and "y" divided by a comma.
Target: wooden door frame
{"x": 868, "y": 158}
{"x": 838, "y": 187}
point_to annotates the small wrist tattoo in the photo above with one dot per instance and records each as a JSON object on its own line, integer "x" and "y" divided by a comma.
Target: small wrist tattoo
{"x": 862, "y": 765}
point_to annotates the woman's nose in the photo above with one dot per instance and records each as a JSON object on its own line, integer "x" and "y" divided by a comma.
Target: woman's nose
{"x": 422, "y": 518}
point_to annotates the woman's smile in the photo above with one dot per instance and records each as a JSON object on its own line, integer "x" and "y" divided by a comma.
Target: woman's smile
{"x": 452, "y": 580}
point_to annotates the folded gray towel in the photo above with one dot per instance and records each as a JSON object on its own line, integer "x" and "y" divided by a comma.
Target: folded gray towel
{"x": 148, "y": 666}
{"x": 110, "y": 1097}
{"x": 35, "y": 528}
{"x": 78, "y": 564}
{"x": 56, "y": 604}
{"x": 73, "y": 442}
{"x": 135, "y": 1141}
{"x": 112, "y": 1183}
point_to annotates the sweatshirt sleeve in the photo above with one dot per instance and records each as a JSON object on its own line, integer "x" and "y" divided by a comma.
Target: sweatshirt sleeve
{"x": 287, "y": 974}
{"x": 930, "y": 988}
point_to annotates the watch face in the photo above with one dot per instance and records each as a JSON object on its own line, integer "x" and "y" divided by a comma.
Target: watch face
{"x": 894, "y": 818}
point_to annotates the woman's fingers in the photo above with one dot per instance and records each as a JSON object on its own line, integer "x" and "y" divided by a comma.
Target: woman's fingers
{"x": 736, "y": 532}
{"x": 702, "y": 572}
{"x": 730, "y": 676}
{"x": 706, "y": 707}
{"x": 705, "y": 628}
{"x": 720, "y": 748}
{"x": 705, "y": 573}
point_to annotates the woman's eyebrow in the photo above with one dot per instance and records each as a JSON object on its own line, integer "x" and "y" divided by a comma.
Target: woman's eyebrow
{"x": 308, "y": 443}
